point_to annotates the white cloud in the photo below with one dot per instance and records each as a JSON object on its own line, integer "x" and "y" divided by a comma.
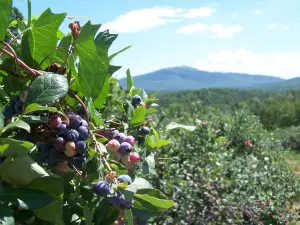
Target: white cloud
{"x": 144, "y": 19}
{"x": 278, "y": 26}
{"x": 281, "y": 64}
{"x": 201, "y": 12}
{"x": 214, "y": 30}
{"x": 258, "y": 11}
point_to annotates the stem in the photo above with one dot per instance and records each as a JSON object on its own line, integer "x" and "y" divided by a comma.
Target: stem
{"x": 82, "y": 105}
{"x": 20, "y": 62}
{"x": 29, "y": 13}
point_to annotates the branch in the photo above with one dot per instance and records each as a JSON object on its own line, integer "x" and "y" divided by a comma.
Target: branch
{"x": 82, "y": 105}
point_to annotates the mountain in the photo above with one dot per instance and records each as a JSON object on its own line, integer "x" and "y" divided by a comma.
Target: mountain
{"x": 188, "y": 78}
{"x": 284, "y": 85}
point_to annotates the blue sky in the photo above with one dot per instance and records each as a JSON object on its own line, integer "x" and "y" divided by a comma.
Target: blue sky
{"x": 254, "y": 36}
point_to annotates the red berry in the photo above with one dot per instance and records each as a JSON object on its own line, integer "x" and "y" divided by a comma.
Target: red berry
{"x": 134, "y": 158}
{"x": 113, "y": 146}
{"x": 55, "y": 121}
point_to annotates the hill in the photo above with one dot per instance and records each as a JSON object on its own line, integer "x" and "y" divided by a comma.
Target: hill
{"x": 188, "y": 78}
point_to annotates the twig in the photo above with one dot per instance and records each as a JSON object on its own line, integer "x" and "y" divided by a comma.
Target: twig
{"x": 77, "y": 171}
{"x": 20, "y": 62}
{"x": 82, "y": 105}
{"x": 113, "y": 122}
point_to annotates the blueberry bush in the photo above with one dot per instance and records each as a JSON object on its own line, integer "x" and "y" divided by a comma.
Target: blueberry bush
{"x": 75, "y": 147}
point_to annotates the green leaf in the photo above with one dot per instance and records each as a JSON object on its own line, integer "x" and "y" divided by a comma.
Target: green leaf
{"x": 13, "y": 23}
{"x": 129, "y": 217}
{"x": 106, "y": 213}
{"x": 174, "y": 125}
{"x": 138, "y": 115}
{"x": 117, "y": 53}
{"x": 41, "y": 39}
{"x": 88, "y": 214}
{"x": 6, "y": 216}
{"x": 162, "y": 143}
{"x": 103, "y": 41}
{"x": 62, "y": 52}
{"x": 101, "y": 99}
{"x": 95, "y": 115}
{"x": 60, "y": 35}
{"x": 149, "y": 165}
{"x": 92, "y": 67}
{"x": 54, "y": 186}
{"x": 47, "y": 88}
{"x": 135, "y": 91}
{"x": 5, "y": 11}
{"x": 151, "y": 200}
{"x": 129, "y": 80}
{"x": 13, "y": 148}
{"x": 17, "y": 124}
{"x": 21, "y": 170}
{"x": 26, "y": 199}
{"x": 112, "y": 69}
{"x": 36, "y": 107}
{"x": 138, "y": 183}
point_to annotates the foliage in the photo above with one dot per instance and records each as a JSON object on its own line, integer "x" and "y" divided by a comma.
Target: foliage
{"x": 68, "y": 131}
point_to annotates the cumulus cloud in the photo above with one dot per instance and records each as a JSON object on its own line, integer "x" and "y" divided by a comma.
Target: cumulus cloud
{"x": 281, "y": 64}
{"x": 213, "y": 30}
{"x": 144, "y": 19}
{"x": 258, "y": 11}
{"x": 278, "y": 26}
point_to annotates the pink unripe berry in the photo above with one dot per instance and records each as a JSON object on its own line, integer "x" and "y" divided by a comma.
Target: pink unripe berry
{"x": 131, "y": 140}
{"x": 113, "y": 146}
{"x": 70, "y": 149}
{"x": 134, "y": 158}
{"x": 55, "y": 121}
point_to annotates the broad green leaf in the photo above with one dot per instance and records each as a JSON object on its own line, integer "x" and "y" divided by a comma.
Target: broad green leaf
{"x": 21, "y": 170}
{"x": 152, "y": 200}
{"x": 54, "y": 186}
{"x": 36, "y": 107}
{"x": 106, "y": 213}
{"x": 92, "y": 69}
{"x": 112, "y": 69}
{"x": 117, "y": 53}
{"x": 95, "y": 115}
{"x": 129, "y": 82}
{"x": 17, "y": 124}
{"x": 100, "y": 100}
{"x": 138, "y": 183}
{"x": 135, "y": 91}
{"x": 41, "y": 39}
{"x": 144, "y": 95}
{"x": 12, "y": 84}
{"x": 149, "y": 165}
{"x": 61, "y": 52}
{"x": 47, "y": 88}
{"x": 24, "y": 198}
{"x": 60, "y": 35}
{"x": 13, "y": 23}
{"x": 6, "y": 216}
{"x": 129, "y": 217}
{"x": 5, "y": 11}
{"x": 13, "y": 148}
{"x": 174, "y": 125}
{"x": 88, "y": 214}
{"x": 162, "y": 143}
{"x": 144, "y": 215}
{"x": 103, "y": 42}
{"x": 138, "y": 115}
{"x": 152, "y": 140}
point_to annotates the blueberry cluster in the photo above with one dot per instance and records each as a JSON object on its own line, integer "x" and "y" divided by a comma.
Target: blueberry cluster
{"x": 136, "y": 101}
{"x": 69, "y": 146}
{"x": 15, "y": 105}
{"x": 120, "y": 147}
{"x": 102, "y": 188}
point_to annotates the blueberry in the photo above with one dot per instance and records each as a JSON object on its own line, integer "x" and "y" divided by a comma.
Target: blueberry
{"x": 81, "y": 147}
{"x": 124, "y": 178}
{"x": 55, "y": 121}
{"x": 62, "y": 129}
{"x": 60, "y": 143}
{"x": 120, "y": 137}
{"x": 114, "y": 134}
{"x": 101, "y": 188}
{"x": 75, "y": 121}
{"x": 84, "y": 123}
{"x": 72, "y": 135}
{"x": 125, "y": 148}
{"x": 144, "y": 130}
{"x": 76, "y": 161}
{"x": 18, "y": 107}
{"x": 136, "y": 100}
{"x": 83, "y": 133}
{"x": 8, "y": 111}
{"x": 14, "y": 99}
{"x": 118, "y": 199}
{"x": 131, "y": 140}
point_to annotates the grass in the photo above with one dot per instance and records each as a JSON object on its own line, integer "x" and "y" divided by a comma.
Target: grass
{"x": 293, "y": 160}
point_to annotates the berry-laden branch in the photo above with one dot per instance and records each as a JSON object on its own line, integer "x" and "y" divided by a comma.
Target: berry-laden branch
{"x": 20, "y": 62}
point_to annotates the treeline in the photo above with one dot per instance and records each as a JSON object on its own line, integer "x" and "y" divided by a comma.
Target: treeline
{"x": 275, "y": 110}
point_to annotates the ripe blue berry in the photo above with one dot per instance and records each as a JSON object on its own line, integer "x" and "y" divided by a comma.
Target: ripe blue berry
{"x": 8, "y": 111}
{"x": 118, "y": 199}
{"x": 62, "y": 129}
{"x": 18, "y": 107}
{"x": 124, "y": 178}
{"x": 72, "y": 135}
{"x": 131, "y": 140}
{"x": 114, "y": 134}
{"x": 136, "y": 100}
{"x": 75, "y": 121}
{"x": 76, "y": 161}
{"x": 83, "y": 133}
{"x": 14, "y": 99}
{"x": 81, "y": 147}
{"x": 101, "y": 188}
{"x": 120, "y": 137}
{"x": 125, "y": 148}
{"x": 60, "y": 143}
{"x": 84, "y": 123}
{"x": 144, "y": 130}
